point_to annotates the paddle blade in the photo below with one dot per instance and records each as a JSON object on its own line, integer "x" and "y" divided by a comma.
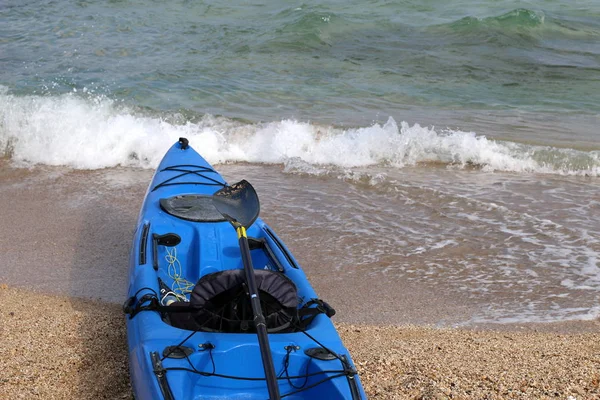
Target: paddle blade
{"x": 238, "y": 203}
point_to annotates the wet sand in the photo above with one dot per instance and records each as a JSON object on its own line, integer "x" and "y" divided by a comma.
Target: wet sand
{"x": 69, "y": 232}
{"x": 59, "y": 347}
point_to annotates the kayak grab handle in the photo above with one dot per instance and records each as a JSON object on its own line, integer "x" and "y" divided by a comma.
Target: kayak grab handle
{"x": 184, "y": 143}
{"x": 168, "y": 239}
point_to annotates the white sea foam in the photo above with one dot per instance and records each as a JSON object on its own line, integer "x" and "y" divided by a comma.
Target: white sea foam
{"x": 97, "y": 132}
{"x": 531, "y": 315}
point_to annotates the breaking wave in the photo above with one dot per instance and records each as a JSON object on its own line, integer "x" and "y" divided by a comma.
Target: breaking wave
{"x": 97, "y": 132}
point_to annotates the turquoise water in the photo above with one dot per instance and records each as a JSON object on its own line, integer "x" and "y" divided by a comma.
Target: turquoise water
{"x": 494, "y": 67}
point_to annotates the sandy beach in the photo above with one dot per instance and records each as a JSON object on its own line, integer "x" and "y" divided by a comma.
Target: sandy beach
{"x": 63, "y": 332}
{"x": 59, "y": 347}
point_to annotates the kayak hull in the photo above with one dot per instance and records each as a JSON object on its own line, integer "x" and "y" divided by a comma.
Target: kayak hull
{"x": 219, "y": 365}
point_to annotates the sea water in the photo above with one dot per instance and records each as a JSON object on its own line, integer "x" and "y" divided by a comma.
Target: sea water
{"x": 453, "y": 147}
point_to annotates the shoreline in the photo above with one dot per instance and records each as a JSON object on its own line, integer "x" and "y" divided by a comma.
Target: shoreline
{"x": 58, "y": 347}
{"x": 75, "y": 239}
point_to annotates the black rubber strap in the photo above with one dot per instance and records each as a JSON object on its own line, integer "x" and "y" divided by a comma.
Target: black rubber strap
{"x": 307, "y": 314}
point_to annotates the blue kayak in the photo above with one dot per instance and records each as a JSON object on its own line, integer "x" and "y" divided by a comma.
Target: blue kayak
{"x": 192, "y": 324}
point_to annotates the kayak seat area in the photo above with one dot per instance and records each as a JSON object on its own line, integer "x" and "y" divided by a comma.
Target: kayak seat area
{"x": 221, "y": 303}
{"x": 192, "y": 207}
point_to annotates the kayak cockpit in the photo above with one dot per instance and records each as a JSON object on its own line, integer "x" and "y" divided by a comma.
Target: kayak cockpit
{"x": 219, "y": 302}
{"x": 198, "y": 283}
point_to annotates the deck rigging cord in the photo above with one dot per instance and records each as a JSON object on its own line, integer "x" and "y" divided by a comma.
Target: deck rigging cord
{"x": 180, "y": 287}
{"x": 187, "y": 169}
{"x": 151, "y": 299}
{"x": 347, "y": 370}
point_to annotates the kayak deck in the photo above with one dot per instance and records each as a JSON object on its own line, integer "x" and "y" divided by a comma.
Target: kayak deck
{"x": 215, "y": 365}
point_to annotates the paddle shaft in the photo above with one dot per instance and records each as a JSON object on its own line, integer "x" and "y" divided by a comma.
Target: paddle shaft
{"x": 259, "y": 319}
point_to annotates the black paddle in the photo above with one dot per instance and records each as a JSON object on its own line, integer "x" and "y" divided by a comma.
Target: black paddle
{"x": 239, "y": 205}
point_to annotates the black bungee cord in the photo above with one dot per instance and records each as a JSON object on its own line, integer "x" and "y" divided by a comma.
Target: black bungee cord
{"x": 209, "y": 346}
